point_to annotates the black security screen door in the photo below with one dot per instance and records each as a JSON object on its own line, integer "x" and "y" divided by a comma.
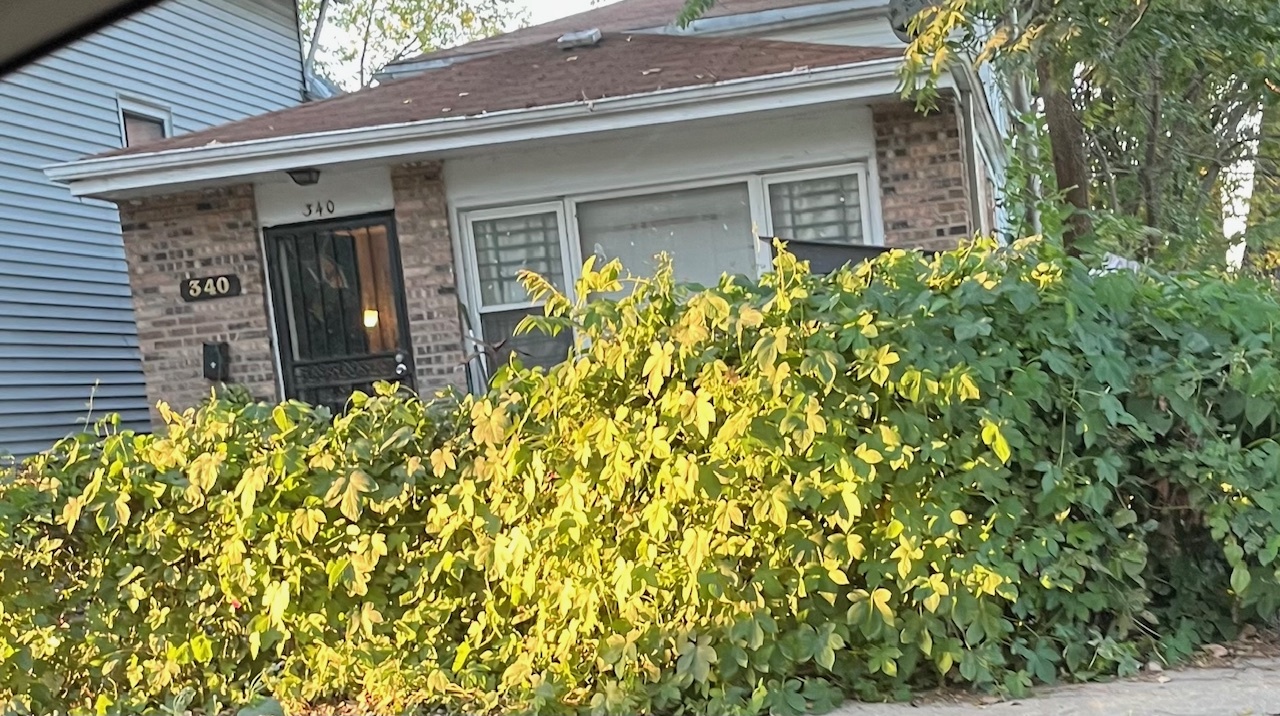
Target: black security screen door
{"x": 338, "y": 295}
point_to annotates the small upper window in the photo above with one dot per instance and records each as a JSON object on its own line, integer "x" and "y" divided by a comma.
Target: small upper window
{"x": 142, "y": 122}
{"x": 141, "y": 129}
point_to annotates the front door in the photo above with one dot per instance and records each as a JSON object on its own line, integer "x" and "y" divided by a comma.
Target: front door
{"x": 338, "y": 295}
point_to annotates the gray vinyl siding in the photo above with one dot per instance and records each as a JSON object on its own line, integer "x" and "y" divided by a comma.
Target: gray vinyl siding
{"x": 68, "y": 342}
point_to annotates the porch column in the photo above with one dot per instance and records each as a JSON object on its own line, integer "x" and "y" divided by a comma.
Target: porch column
{"x": 431, "y": 295}
{"x": 925, "y": 198}
{"x": 173, "y": 239}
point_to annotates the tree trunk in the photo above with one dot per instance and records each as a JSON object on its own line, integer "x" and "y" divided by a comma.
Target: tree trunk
{"x": 1263, "y": 229}
{"x": 1265, "y": 202}
{"x": 1066, "y": 138}
{"x": 315, "y": 36}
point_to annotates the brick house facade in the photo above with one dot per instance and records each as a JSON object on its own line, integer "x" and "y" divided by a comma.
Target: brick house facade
{"x": 925, "y": 189}
{"x": 171, "y": 237}
{"x": 168, "y": 238}
{"x": 431, "y": 289}
{"x": 380, "y": 235}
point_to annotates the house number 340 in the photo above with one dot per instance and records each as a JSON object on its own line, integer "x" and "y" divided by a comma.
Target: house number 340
{"x": 203, "y": 288}
{"x": 319, "y": 208}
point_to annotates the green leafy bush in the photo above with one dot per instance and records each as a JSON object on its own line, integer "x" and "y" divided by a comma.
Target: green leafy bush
{"x": 989, "y": 468}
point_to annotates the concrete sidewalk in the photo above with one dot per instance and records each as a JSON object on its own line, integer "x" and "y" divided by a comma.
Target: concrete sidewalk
{"x": 1251, "y": 687}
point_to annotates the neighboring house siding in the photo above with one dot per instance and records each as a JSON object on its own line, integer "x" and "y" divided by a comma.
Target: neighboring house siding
{"x": 67, "y": 334}
{"x": 870, "y": 30}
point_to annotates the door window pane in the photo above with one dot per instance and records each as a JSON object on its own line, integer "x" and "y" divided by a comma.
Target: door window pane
{"x": 506, "y": 245}
{"x": 340, "y": 296}
{"x": 707, "y": 232}
{"x": 828, "y": 210}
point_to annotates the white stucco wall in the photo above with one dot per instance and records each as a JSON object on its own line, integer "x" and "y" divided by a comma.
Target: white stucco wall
{"x": 659, "y": 157}
{"x": 340, "y": 193}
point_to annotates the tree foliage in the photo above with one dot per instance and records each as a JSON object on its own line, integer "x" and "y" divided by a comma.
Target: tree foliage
{"x": 990, "y": 468}
{"x": 1147, "y": 105}
{"x": 1161, "y": 97}
{"x": 360, "y": 37}
{"x": 1264, "y": 209}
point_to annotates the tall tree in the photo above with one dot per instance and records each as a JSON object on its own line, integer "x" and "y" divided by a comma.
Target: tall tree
{"x": 356, "y": 38}
{"x": 1156, "y": 105}
{"x": 1148, "y": 104}
{"x": 1262, "y": 231}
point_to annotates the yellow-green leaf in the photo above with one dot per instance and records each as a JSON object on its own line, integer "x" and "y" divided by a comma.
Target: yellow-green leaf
{"x": 276, "y": 601}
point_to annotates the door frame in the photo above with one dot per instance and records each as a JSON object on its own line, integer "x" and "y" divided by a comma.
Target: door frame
{"x": 277, "y": 306}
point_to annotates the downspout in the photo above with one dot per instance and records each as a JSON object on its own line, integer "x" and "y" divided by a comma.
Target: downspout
{"x": 968, "y": 154}
{"x": 297, "y": 24}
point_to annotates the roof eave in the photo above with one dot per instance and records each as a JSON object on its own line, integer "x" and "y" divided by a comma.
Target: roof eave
{"x": 117, "y": 177}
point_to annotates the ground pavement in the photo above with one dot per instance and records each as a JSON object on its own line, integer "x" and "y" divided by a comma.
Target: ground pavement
{"x": 1243, "y": 687}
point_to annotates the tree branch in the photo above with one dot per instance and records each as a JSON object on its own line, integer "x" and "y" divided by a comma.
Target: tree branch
{"x": 1146, "y": 176}
{"x": 364, "y": 48}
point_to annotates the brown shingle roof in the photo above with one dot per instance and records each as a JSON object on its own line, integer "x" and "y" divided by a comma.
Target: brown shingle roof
{"x": 624, "y": 16}
{"x": 536, "y": 76}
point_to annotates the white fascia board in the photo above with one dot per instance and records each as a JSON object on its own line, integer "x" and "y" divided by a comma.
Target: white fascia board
{"x": 135, "y": 174}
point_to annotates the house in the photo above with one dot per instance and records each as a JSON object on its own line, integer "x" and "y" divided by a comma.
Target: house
{"x": 376, "y": 236}
{"x": 68, "y": 343}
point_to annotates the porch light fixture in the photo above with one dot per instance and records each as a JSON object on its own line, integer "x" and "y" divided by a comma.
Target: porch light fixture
{"x": 370, "y": 318}
{"x": 309, "y": 176}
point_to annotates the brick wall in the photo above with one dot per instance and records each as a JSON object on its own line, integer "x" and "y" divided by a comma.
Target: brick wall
{"x": 201, "y": 233}
{"x": 924, "y": 193}
{"x": 426, "y": 251}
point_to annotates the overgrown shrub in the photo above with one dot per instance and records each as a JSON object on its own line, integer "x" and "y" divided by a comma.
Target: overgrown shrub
{"x": 990, "y": 468}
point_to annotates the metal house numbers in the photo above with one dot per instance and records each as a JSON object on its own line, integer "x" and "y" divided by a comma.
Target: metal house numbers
{"x": 204, "y": 288}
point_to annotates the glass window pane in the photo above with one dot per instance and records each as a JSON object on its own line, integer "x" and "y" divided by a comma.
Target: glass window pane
{"x": 707, "y": 232}
{"x": 533, "y": 348}
{"x": 505, "y": 246}
{"x": 828, "y": 210}
{"x": 140, "y": 130}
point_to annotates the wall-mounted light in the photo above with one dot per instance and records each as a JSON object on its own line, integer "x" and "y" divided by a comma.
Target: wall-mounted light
{"x": 370, "y": 318}
{"x": 308, "y": 176}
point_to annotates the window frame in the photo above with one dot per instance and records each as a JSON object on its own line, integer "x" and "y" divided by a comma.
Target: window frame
{"x": 470, "y": 263}
{"x": 566, "y": 210}
{"x": 755, "y": 201}
{"x": 143, "y": 109}
{"x": 855, "y": 169}
{"x": 469, "y": 217}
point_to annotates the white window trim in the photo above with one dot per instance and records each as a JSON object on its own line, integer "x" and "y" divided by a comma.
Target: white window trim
{"x": 142, "y": 108}
{"x": 468, "y": 218}
{"x": 566, "y": 209}
{"x": 474, "y": 298}
{"x": 870, "y": 237}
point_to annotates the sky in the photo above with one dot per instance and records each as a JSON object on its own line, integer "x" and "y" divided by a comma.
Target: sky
{"x": 537, "y": 12}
